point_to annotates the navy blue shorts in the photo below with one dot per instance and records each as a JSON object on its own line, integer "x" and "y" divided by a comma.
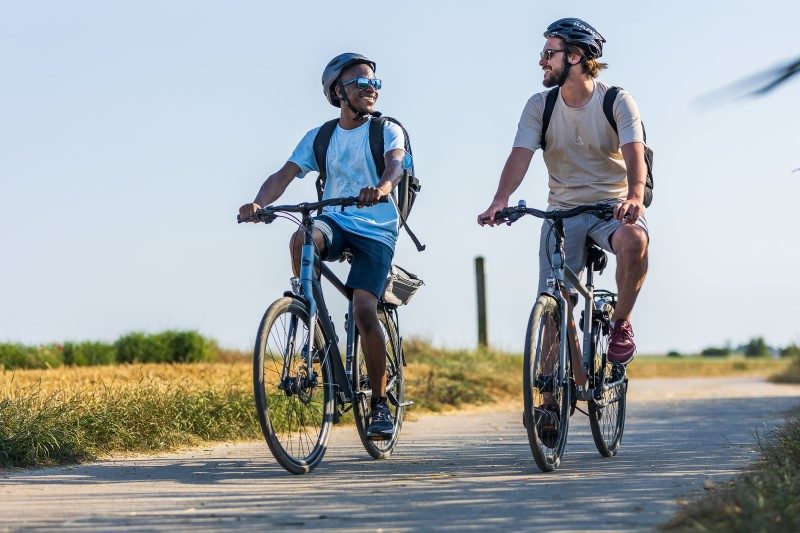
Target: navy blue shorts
{"x": 372, "y": 259}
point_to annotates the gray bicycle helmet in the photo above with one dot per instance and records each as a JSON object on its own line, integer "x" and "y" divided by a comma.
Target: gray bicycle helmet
{"x": 334, "y": 70}
{"x": 579, "y": 33}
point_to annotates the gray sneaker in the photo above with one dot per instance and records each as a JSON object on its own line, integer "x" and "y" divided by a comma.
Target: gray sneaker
{"x": 381, "y": 422}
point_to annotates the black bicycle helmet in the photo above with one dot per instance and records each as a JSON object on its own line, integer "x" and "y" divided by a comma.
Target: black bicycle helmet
{"x": 334, "y": 69}
{"x": 579, "y": 33}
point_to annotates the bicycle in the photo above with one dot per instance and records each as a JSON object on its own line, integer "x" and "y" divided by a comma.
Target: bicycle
{"x": 300, "y": 383}
{"x": 553, "y": 354}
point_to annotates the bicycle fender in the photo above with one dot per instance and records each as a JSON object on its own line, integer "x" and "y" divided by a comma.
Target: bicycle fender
{"x": 297, "y": 297}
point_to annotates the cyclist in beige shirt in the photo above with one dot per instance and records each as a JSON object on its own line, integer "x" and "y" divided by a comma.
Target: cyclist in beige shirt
{"x": 587, "y": 162}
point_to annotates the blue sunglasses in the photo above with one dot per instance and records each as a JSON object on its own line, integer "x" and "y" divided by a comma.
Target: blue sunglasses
{"x": 363, "y": 83}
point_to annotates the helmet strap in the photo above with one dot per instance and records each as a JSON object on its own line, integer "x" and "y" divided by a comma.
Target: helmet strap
{"x": 564, "y": 71}
{"x": 359, "y": 114}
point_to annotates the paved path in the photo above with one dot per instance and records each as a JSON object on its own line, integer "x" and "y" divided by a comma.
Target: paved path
{"x": 468, "y": 471}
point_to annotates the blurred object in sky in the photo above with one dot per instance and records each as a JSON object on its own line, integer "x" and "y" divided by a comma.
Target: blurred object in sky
{"x": 778, "y": 75}
{"x": 756, "y": 85}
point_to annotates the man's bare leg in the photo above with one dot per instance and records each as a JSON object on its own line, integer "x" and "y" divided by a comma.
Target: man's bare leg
{"x": 373, "y": 342}
{"x": 630, "y": 246}
{"x": 296, "y": 247}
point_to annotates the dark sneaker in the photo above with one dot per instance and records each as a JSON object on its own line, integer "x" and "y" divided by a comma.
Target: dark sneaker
{"x": 621, "y": 345}
{"x": 381, "y": 423}
{"x": 547, "y": 422}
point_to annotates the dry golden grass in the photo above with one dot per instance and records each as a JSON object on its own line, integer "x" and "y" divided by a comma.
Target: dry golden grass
{"x": 677, "y": 367}
{"x": 424, "y": 373}
{"x": 70, "y": 414}
{"x": 194, "y": 376}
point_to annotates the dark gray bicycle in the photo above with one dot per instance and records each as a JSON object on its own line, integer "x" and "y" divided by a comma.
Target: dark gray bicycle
{"x": 557, "y": 371}
{"x": 301, "y": 384}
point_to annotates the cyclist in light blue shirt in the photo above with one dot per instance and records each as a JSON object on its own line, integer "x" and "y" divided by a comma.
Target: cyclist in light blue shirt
{"x": 349, "y": 161}
{"x": 370, "y": 232}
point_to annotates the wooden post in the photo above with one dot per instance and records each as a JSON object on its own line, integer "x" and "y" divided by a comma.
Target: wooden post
{"x": 481, "y": 286}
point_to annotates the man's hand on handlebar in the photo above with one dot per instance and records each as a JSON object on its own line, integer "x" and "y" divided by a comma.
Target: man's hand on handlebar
{"x": 371, "y": 195}
{"x": 247, "y": 213}
{"x": 628, "y": 211}
{"x": 488, "y": 216}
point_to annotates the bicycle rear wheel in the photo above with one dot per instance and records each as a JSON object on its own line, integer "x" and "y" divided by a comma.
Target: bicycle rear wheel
{"x": 395, "y": 390}
{"x": 547, "y": 402}
{"x": 294, "y": 402}
{"x": 607, "y": 409}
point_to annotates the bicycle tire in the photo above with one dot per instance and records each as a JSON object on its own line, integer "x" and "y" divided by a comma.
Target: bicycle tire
{"x": 541, "y": 362}
{"x": 606, "y": 412}
{"x": 296, "y": 424}
{"x": 395, "y": 390}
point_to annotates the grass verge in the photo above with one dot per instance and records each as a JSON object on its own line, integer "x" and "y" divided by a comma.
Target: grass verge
{"x": 55, "y": 417}
{"x": 765, "y": 498}
{"x": 790, "y": 375}
{"x": 71, "y": 414}
{"x": 686, "y": 367}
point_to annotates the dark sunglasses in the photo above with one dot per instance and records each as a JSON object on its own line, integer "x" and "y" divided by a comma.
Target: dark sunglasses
{"x": 547, "y": 53}
{"x": 363, "y": 83}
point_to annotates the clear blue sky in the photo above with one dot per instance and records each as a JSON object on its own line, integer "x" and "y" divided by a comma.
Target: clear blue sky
{"x": 130, "y": 133}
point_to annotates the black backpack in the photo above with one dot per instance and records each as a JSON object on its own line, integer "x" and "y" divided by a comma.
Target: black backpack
{"x": 608, "y": 110}
{"x": 404, "y": 194}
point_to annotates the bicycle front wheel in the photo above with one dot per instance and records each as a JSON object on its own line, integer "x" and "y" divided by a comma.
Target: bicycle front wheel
{"x": 607, "y": 409}
{"x": 395, "y": 390}
{"x": 547, "y": 401}
{"x": 294, "y": 400}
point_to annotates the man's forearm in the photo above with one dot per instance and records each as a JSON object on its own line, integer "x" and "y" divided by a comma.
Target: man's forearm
{"x": 276, "y": 184}
{"x": 391, "y": 175}
{"x": 513, "y": 173}
{"x": 633, "y": 153}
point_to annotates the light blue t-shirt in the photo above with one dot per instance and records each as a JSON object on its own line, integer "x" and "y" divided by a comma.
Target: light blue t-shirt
{"x": 350, "y": 168}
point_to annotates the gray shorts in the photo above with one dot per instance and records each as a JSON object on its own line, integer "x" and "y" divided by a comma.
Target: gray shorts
{"x": 576, "y": 231}
{"x": 372, "y": 259}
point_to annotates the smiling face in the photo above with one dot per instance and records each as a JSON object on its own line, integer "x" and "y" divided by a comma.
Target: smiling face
{"x": 362, "y": 100}
{"x": 554, "y": 66}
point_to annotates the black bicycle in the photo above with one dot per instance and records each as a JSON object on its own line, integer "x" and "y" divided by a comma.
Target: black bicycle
{"x": 557, "y": 371}
{"x": 301, "y": 384}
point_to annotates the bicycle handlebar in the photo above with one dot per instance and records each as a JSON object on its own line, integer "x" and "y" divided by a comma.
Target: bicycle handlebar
{"x": 268, "y": 214}
{"x": 510, "y": 215}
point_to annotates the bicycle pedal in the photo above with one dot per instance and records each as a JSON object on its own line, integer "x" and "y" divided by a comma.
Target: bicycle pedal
{"x": 407, "y": 403}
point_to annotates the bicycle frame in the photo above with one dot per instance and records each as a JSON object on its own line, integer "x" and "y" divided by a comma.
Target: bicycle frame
{"x": 311, "y": 291}
{"x": 563, "y": 275}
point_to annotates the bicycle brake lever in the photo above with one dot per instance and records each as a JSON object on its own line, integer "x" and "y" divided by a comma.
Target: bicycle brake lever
{"x": 513, "y": 217}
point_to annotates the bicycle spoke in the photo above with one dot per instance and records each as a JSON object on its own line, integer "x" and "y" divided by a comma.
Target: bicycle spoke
{"x": 292, "y": 397}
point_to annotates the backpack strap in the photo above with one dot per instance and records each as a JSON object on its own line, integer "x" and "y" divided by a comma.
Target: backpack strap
{"x": 376, "y": 126}
{"x": 608, "y": 106}
{"x": 321, "y": 142}
{"x": 608, "y": 110}
{"x": 549, "y": 104}
{"x": 377, "y": 147}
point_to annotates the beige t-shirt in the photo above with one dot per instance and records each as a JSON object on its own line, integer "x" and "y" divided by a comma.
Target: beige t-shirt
{"x": 583, "y": 155}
